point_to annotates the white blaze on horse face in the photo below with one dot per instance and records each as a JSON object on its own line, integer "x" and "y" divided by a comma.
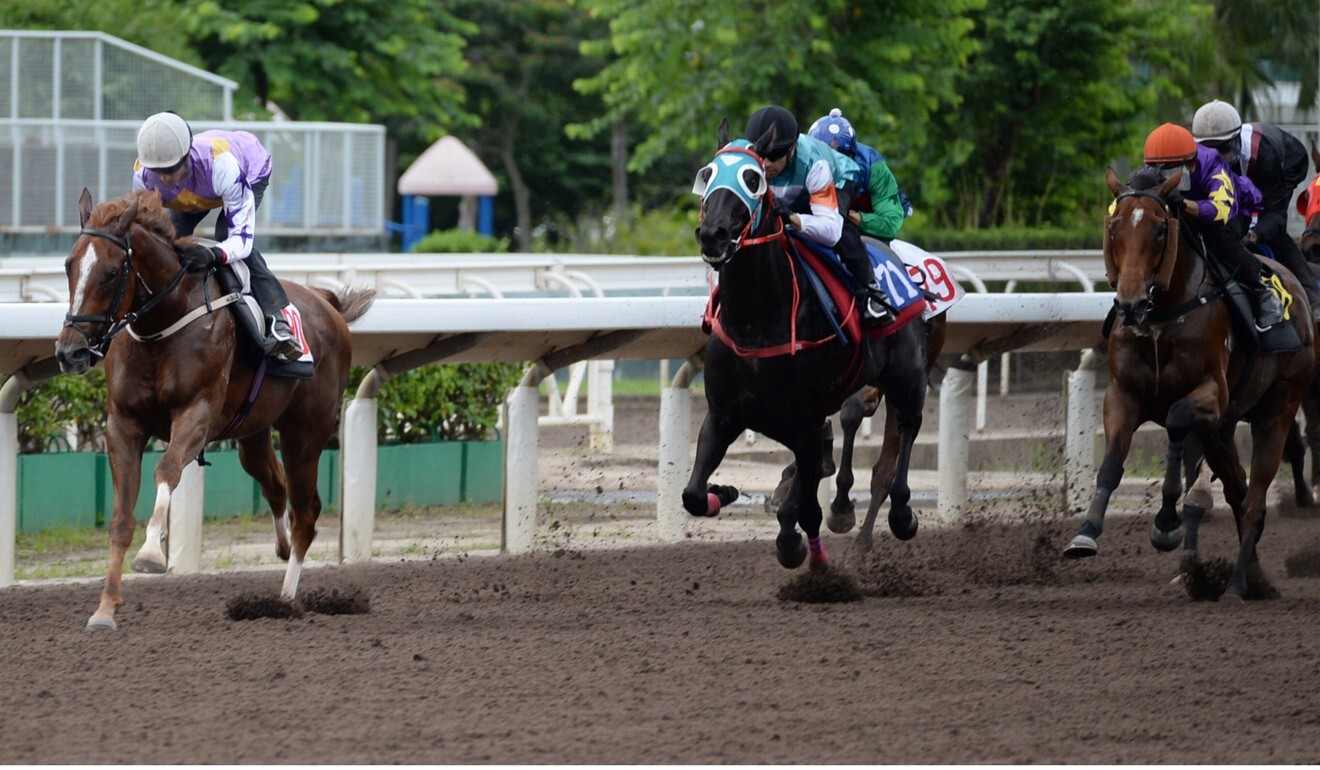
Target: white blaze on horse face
{"x": 85, "y": 266}
{"x": 1137, "y": 215}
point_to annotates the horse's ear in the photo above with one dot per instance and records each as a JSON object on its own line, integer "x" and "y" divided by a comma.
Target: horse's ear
{"x": 1111, "y": 179}
{"x": 125, "y": 221}
{"x": 722, "y": 135}
{"x": 1171, "y": 184}
{"x": 84, "y": 207}
{"x": 1315, "y": 154}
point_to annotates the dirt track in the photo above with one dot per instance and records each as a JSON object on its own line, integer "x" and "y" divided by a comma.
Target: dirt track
{"x": 974, "y": 644}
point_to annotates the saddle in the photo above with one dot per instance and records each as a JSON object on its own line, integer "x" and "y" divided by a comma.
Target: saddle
{"x": 233, "y": 279}
{"x": 1282, "y": 338}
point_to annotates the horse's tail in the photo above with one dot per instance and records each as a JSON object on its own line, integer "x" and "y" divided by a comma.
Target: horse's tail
{"x": 352, "y": 303}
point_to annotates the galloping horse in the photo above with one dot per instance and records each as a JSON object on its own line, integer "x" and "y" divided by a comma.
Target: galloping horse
{"x": 1174, "y": 361}
{"x": 181, "y": 375}
{"x": 767, "y": 304}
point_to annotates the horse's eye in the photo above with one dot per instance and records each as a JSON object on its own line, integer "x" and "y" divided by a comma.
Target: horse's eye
{"x": 754, "y": 182}
{"x": 111, "y": 275}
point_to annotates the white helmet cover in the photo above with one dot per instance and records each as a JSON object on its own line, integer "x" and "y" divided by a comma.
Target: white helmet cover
{"x": 1216, "y": 122}
{"x": 163, "y": 140}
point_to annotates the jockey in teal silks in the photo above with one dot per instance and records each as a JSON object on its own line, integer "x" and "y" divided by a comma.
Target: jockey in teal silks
{"x": 813, "y": 186}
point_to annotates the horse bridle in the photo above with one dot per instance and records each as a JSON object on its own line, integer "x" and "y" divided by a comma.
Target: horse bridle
{"x": 1163, "y": 271}
{"x": 753, "y": 221}
{"x": 100, "y": 344}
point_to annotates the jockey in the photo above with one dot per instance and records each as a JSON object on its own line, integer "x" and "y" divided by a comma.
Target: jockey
{"x": 228, "y": 170}
{"x": 1207, "y": 200}
{"x": 1276, "y": 162}
{"x": 812, "y": 187}
{"x": 878, "y": 206}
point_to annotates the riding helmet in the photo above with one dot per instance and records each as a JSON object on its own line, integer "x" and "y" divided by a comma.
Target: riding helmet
{"x": 1169, "y": 144}
{"x": 1215, "y": 123}
{"x": 163, "y": 140}
{"x": 785, "y": 130}
{"x": 835, "y": 130}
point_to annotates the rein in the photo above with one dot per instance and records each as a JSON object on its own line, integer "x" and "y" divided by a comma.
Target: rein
{"x": 100, "y": 344}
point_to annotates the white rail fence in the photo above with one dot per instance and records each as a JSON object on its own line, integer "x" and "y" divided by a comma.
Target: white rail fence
{"x": 400, "y": 334}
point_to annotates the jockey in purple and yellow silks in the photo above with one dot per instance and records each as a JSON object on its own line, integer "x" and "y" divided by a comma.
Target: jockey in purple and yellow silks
{"x": 1208, "y": 201}
{"x": 813, "y": 186}
{"x": 1275, "y": 162}
{"x": 226, "y": 170}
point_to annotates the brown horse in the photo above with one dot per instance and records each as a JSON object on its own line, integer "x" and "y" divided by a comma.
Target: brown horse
{"x": 1173, "y": 360}
{"x": 181, "y": 375}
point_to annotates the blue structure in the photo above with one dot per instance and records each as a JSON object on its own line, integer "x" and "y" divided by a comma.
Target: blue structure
{"x": 447, "y": 167}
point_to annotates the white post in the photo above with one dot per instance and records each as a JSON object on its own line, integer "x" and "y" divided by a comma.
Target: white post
{"x": 1079, "y": 435}
{"x": 982, "y": 384}
{"x": 520, "y": 474}
{"x": 357, "y": 456}
{"x": 675, "y": 461}
{"x": 955, "y": 394}
{"x": 187, "y": 505}
{"x": 8, "y": 497}
{"x": 1004, "y": 374}
{"x": 600, "y": 405}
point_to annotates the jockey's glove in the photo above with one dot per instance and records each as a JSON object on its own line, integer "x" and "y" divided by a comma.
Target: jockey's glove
{"x": 199, "y": 259}
{"x": 783, "y": 210}
{"x": 1175, "y": 200}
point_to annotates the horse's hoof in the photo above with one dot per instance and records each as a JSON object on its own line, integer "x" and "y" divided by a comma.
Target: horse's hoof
{"x": 790, "y": 550}
{"x": 841, "y": 522}
{"x": 98, "y": 623}
{"x": 1165, "y": 541}
{"x": 1305, "y": 498}
{"x": 903, "y": 523}
{"x": 148, "y": 565}
{"x": 1081, "y": 547}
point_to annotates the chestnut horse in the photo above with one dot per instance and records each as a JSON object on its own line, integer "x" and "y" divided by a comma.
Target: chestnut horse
{"x": 1173, "y": 361}
{"x": 182, "y": 375}
{"x": 768, "y": 305}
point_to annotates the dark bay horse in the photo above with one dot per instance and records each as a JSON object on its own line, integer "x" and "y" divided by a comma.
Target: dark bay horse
{"x": 768, "y": 304}
{"x": 181, "y": 375}
{"x": 1173, "y": 360}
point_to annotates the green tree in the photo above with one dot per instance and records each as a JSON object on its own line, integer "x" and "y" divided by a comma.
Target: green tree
{"x": 676, "y": 67}
{"x": 356, "y": 61}
{"x": 523, "y": 61}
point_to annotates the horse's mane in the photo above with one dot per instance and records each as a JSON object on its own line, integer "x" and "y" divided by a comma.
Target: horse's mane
{"x": 150, "y": 215}
{"x": 1143, "y": 179}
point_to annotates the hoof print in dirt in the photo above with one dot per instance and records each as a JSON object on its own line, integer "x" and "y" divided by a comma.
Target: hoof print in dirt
{"x": 350, "y": 601}
{"x": 821, "y": 586}
{"x": 257, "y": 606}
{"x": 1205, "y": 581}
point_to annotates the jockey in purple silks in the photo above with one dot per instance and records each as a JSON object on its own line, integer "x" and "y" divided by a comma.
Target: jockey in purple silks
{"x": 226, "y": 170}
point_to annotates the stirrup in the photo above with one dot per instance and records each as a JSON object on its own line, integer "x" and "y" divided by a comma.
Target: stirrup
{"x": 280, "y": 342}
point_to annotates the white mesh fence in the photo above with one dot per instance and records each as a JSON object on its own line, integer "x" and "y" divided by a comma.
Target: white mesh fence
{"x": 70, "y": 106}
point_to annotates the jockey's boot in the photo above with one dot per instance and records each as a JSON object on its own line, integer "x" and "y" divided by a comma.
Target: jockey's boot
{"x": 1269, "y": 311}
{"x": 875, "y": 307}
{"x": 280, "y": 340}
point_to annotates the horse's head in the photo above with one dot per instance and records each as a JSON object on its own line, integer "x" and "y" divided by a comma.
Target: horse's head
{"x": 1140, "y": 242}
{"x": 103, "y": 275}
{"x": 1308, "y": 205}
{"x": 733, "y": 191}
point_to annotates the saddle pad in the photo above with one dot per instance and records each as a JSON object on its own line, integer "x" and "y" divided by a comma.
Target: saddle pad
{"x": 905, "y": 299}
{"x": 928, "y": 272}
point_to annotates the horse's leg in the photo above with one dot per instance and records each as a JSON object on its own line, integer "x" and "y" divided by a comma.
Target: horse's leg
{"x": 1222, "y": 456}
{"x": 717, "y": 433}
{"x": 1311, "y": 410}
{"x": 256, "y": 454}
{"x": 841, "y": 518}
{"x": 882, "y": 477}
{"x": 1166, "y": 533}
{"x": 187, "y": 439}
{"x": 1294, "y": 449}
{"x": 776, "y": 498}
{"x": 301, "y": 458}
{"x": 802, "y": 507}
{"x": 1121, "y": 417}
{"x": 125, "y": 444}
{"x": 1268, "y": 434}
{"x": 1196, "y": 502}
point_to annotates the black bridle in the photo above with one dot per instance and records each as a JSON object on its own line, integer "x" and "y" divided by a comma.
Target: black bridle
{"x": 100, "y": 344}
